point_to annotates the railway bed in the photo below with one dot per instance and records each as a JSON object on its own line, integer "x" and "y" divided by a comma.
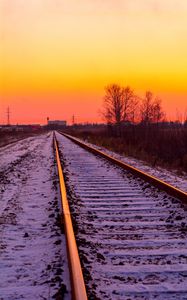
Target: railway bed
{"x": 131, "y": 235}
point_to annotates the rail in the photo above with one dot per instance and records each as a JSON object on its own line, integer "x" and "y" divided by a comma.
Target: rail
{"x": 77, "y": 280}
{"x": 171, "y": 190}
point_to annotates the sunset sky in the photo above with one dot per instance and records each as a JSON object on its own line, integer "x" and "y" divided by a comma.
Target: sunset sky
{"x": 56, "y": 56}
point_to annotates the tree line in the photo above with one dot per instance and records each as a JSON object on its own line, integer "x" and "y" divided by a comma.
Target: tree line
{"x": 122, "y": 105}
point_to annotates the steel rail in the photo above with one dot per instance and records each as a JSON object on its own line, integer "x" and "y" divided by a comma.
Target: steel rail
{"x": 171, "y": 190}
{"x": 77, "y": 280}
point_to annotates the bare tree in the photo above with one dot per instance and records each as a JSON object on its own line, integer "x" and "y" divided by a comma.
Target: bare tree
{"x": 128, "y": 103}
{"x": 151, "y": 109}
{"x": 146, "y": 108}
{"x": 120, "y": 104}
{"x": 113, "y": 104}
{"x": 158, "y": 114}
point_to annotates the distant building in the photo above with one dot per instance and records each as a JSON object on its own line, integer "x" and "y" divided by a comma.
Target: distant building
{"x": 56, "y": 122}
{"x": 20, "y": 128}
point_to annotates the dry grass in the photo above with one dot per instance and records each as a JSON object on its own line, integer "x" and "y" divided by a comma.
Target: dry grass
{"x": 166, "y": 147}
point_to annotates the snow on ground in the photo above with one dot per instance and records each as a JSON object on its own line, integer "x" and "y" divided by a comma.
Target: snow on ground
{"x": 33, "y": 259}
{"x": 7, "y": 139}
{"x": 161, "y": 173}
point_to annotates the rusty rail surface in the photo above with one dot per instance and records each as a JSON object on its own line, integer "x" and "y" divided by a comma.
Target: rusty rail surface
{"x": 77, "y": 280}
{"x": 171, "y": 190}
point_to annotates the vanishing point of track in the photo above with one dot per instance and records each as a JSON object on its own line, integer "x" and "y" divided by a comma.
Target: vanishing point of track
{"x": 131, "y": 233}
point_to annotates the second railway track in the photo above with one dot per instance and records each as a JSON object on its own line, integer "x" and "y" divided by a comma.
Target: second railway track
{"x": 131, "y": 236}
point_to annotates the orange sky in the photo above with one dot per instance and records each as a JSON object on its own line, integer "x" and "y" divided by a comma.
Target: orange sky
{"x": 56, "y": 56}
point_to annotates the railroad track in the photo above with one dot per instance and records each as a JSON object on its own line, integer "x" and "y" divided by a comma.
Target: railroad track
{"x": 131, "y": 234}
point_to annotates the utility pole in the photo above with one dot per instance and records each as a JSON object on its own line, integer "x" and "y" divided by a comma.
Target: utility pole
{"x": 8, "y": 116}
{"x": 73, "y": 120}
